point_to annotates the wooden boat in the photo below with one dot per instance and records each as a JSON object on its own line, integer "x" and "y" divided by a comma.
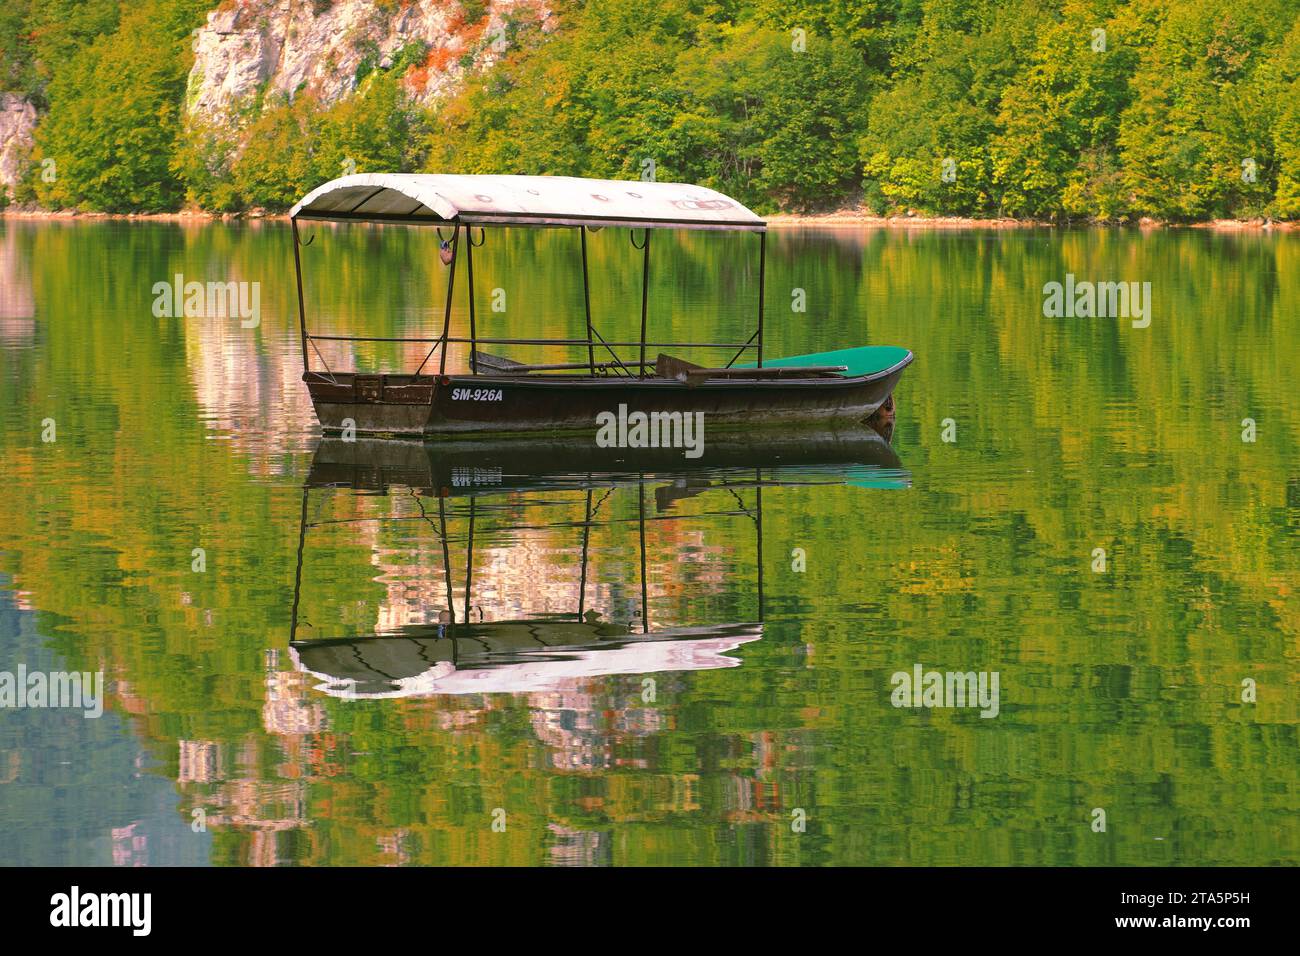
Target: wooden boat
{"x": 502, "y": 396}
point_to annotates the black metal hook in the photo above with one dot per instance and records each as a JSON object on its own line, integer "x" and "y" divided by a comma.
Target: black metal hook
{"x": 646, "y": 238}
{"x": 298, "y": 239}
{"x": 482, "y": 236}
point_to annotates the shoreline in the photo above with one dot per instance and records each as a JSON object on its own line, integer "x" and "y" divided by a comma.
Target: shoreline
{"x": 846, "y": 219}
{"x": 864, "y": 220}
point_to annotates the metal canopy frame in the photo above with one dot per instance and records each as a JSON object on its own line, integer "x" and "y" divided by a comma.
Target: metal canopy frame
{"x": 580, "y": 222}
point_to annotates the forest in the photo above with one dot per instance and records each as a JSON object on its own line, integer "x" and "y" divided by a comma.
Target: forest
{"x": 1101, "y": 110}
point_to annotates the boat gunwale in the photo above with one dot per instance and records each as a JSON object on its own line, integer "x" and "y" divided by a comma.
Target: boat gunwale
{"x": 609, "y": 381}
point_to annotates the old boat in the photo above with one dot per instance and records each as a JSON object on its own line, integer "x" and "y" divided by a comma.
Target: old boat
{"x": 501, "y": 396}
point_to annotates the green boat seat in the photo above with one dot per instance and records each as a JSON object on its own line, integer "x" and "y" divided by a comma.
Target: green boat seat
{"x": 863, "y": 360}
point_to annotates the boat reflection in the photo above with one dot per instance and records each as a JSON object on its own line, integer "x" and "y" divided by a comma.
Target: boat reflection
{"x": 462, "y": 635}
{"x": 510, "y": 657}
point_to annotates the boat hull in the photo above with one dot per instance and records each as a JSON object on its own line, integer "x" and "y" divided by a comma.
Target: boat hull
{"x": 458, "y": 405}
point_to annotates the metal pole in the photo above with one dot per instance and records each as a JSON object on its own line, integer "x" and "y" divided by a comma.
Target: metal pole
{"x": 586, "y": 540}
{"x": 762, "y": 269}
{"x": 645, "y": 602}
{"x": 469, "y": 559}
{"x": 586, "y": 301}
{"x": 297, "y": 574}
{"x": 469, "y": 266}
{"x": 446, "y": 315}
{"x": 302, "y": 315}
{"x": 758, "y": 506}
{"x": 446, "y": 557}
{"x": 645, "y": 292}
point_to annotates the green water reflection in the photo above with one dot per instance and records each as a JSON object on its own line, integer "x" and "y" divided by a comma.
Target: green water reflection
{"x": 1119, "y": 690}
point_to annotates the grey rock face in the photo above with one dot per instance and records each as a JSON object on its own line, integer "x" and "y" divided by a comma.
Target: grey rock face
{"x": 17, "y": 120}
{"x": 287, "y": 46}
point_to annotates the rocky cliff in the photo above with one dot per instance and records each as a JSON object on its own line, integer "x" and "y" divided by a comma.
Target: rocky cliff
{"x": 17, "y": 120}
{"x": 286, "y": 48}
{"x": 326, "y": 47}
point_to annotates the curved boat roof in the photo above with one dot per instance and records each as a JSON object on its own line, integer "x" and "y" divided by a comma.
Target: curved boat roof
{"x": 523, "y": 200}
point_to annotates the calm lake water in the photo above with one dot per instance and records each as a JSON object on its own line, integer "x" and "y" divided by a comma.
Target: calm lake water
{"x": 723, "y": 695}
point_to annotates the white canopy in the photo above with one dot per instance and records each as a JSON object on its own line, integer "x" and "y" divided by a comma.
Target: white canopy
{"x": 525, "y": 200}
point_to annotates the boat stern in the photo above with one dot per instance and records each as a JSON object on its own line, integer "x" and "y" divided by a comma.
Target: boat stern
{"x": 371, "y": 404}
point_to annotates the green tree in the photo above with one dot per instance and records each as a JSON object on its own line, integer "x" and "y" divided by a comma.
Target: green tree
{"x": 115, "y": 114}
{"x": 1055, "y": 152}
{"x": 926, "y": 143}
{"x": 1279, "y": 82}
{"x": 1197, "y": 116}
{"x": 768, "y": 122}
{"x": 873, "y": 27}
{"x": 527, "y": 115}
{"x": 1186, "y": 110}
{"x": 280, "y": 165}
{"x": 376, "y": 130}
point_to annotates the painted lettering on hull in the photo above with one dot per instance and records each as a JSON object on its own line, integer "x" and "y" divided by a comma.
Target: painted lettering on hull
{"x": 476, "y": 395}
